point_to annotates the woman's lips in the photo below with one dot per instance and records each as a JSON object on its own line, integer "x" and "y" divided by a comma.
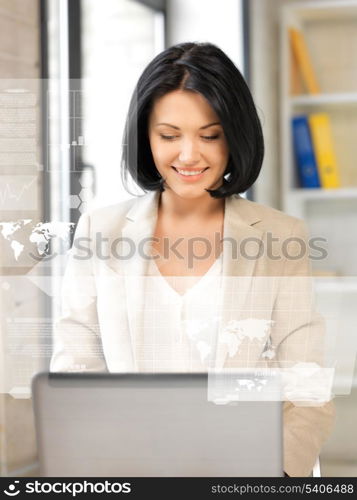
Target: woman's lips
{"x": 191, "y": 177}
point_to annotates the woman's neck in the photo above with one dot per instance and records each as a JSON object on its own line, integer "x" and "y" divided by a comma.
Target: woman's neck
{"x": 176, "y": 207}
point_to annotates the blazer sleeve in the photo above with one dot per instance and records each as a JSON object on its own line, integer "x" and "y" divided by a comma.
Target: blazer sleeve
{"x": 77, "y": 338}
{"x": 298, "y": 336}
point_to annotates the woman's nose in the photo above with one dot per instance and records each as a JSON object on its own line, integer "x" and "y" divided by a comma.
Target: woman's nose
{"x": 189, "y": 152}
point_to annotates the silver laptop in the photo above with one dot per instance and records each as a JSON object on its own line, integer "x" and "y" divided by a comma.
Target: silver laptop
{"x": 140, "y": 425}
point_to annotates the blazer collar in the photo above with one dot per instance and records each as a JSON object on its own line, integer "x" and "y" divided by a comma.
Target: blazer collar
{"x": 237, "y": 209}
{"x": 145, "y": 207}
{"x": 241, "y": 237}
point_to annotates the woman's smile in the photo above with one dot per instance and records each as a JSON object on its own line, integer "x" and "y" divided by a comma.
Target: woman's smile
{"x": 190, "y": 175}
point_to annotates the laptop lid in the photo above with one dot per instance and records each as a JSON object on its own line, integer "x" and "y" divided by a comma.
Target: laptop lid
{"x": 127, "y": 425}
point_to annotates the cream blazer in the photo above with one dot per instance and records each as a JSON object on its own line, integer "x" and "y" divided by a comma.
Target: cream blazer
{"x": 265, "y": 276}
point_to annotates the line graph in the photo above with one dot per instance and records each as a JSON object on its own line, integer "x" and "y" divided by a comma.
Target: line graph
{"x": 18, "y": 192}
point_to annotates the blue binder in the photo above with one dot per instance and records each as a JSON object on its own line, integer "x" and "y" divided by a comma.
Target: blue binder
{"x": 304, "y": 153}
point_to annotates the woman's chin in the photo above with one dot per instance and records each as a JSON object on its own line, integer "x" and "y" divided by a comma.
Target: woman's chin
{"x": 189, "y": 193}
{"x": 192, "y": 191}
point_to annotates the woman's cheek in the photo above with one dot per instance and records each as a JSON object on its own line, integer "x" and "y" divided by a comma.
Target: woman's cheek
{"x": 162, "y": 154}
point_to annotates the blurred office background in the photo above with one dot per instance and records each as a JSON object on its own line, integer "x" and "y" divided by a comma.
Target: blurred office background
{"x": 67, "y": 71}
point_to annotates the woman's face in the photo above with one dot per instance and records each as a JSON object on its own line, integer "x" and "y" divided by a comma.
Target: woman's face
{"x": 187, "y": 142}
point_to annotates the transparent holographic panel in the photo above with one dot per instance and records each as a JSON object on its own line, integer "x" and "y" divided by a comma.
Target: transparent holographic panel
{"x": 18, "y": 192}
{"x": 19, "y": 131}
{"x": 289, "y": 330}
{"x": 31, "y": 242}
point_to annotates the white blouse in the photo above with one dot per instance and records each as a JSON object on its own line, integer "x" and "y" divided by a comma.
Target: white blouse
{"x": 180, "y": 330}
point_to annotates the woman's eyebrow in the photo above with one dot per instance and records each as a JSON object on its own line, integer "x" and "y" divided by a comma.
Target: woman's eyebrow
{"x": 178, "y": 128}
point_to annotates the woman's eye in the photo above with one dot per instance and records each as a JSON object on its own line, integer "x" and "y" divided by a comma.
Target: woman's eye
{"x": 211, "y": 137}
{"x": 171, "y": 137}
{"x": 168, "y": 137}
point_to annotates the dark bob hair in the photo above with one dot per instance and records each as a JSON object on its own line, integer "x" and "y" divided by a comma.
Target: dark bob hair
{"x": 202, "y": 68}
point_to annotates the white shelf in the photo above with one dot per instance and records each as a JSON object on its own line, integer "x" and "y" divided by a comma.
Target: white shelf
{"x": 324, "y": 194}
{"x": 339, "y": 284}
{"x": 343, "y": 98}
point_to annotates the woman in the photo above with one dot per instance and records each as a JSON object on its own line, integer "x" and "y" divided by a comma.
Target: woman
{"x": 188, "y": 278}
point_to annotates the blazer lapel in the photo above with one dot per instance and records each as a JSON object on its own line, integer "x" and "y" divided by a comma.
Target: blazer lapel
{"x": 242, "y": 241}
{"x": 241, "y": 238}
{"x": 136, "y": 234}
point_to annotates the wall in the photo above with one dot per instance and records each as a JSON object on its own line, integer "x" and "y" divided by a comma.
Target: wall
{"x": 218, "y": 22}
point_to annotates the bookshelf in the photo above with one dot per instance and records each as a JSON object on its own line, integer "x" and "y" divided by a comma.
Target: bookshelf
{"x": 330, "y": 32}
{"x": 329, "y": 29}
